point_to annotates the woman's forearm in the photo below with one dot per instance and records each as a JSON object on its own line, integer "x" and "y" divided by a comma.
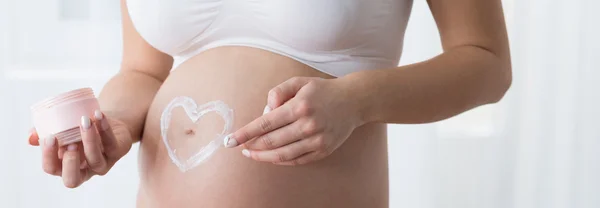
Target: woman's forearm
{"x": 449, "y": 84}
{"x": 127, "y": 97}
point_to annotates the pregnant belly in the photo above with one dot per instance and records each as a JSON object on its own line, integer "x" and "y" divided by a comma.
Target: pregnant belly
{"x": 355, "y": 175}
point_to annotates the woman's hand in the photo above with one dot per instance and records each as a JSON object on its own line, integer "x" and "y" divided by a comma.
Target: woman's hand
{"x": 311, "y": 117}
{"x": 104, "y": 141}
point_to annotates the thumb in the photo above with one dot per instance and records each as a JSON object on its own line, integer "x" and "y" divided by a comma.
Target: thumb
{"x": 285, "y": 91}
{"x": 34, "y": 139}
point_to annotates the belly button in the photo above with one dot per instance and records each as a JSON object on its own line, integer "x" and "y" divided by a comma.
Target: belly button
{"x": 190, "y": 132}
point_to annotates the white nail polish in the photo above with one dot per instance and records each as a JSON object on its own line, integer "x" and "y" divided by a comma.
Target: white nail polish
{"x": 72, "y": 147}
{"x": 49, "y": 142}
{"x": 246, "y": 152}
{"x": 266, "y": 110}
{"x": 86, "y": 123}
{"x": 98, "y": 115}
{"x": 229, "y": 142}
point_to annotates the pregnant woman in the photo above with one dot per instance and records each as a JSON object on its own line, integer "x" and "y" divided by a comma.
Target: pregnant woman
{"x": 325, "y": 70}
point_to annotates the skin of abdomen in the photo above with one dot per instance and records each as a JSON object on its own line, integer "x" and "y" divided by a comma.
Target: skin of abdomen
{"x": 354, "y": 175}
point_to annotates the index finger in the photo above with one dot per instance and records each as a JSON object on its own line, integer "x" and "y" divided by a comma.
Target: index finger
{"x": 273, "y": 120}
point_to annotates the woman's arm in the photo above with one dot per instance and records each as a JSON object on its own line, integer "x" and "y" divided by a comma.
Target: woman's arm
{"x": 474, "y": 69}
{"x": 124, "y": 100}
{"x": 127, "y": 96}
{"x": 312, "y": 117}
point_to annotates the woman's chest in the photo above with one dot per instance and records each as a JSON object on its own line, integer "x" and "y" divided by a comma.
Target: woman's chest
{"x": 313, "y": 25}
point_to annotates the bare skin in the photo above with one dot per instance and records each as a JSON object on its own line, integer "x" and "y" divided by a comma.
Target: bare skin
{"x": 362, "y": 161}
{"x": 339, "y": 156}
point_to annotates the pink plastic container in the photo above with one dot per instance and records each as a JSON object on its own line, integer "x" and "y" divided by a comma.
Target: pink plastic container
{"x": 61, "y": 115}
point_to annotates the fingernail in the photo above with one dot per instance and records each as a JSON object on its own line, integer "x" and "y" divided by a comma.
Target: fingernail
{"x": 86, "y": 123}
{"x": 31, "y": 131}
{"x": 72, "y": 147}
{"x": 229, "y": 142}
{"x": 246, "y": 152}
{"x": 266, "y": 110}
{"x": 49, "y": 142}
{"x": 98, "y": 115}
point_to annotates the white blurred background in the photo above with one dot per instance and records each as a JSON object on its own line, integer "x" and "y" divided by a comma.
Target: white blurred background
{"x": 538, "y": 148}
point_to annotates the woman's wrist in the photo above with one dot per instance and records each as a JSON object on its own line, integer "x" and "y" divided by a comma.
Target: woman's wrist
{"x": 359, "y": 96}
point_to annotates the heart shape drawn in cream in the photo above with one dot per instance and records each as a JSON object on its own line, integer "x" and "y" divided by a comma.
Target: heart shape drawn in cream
{"x": 194, "y": 113}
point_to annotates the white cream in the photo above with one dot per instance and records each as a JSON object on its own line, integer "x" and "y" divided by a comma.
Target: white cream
{"x": 194, "y": 113}
{"x": 267, "y": 109}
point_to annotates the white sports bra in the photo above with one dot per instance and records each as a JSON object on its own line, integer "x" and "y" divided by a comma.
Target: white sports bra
{"x": 333, "y": 36}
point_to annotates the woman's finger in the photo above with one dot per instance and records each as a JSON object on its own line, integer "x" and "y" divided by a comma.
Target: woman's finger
{"x": 91, "y": 147}
{"x": 61, "y": 152}
{"x": 304, "y": 159}
{"x": 63, "y": 149}
{"x": 285, "y": 91}
{"x": 50, "y": 162}
{"x": 110, "y": 145}
{"x": 277, "y": 118}
{"x": 71, "y": 174}
{"x": 278, "y": 138}
{"x": 34, "y": 139}
{"x": 282, "y": 154}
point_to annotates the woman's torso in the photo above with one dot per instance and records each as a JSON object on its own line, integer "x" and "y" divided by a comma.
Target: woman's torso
{"x": 355, "y": 175}
{"x": 239, "y": 69}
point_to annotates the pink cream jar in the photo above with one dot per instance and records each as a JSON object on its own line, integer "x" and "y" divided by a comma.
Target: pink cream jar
{"x": 61, "y": 115}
